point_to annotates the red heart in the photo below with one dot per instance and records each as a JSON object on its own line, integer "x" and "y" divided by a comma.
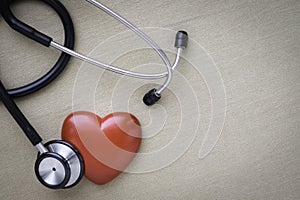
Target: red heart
{"x": 107, "y": 145}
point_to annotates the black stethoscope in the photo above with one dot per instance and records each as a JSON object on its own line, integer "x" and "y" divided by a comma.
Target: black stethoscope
{"x": 59, "y": 164}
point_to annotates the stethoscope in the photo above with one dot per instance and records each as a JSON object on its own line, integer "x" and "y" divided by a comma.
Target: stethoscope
{"x": 59, "y": 164}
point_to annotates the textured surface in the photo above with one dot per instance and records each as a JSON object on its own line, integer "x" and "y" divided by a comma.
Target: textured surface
{"x": 255, "y": 45}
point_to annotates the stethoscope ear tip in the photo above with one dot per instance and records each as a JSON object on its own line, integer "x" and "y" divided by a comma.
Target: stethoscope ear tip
{"x": 182, "y": 38}
{"x": 151, "y": 97}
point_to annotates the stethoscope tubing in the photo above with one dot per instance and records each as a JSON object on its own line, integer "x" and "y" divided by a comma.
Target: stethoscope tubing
{"x": 30, "y": 32}
{"x": 19, "y": 117}
{"x": 149, "y": 99}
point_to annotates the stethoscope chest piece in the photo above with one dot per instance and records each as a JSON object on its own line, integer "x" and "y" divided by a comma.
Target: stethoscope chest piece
{"x": 60, "y": 168}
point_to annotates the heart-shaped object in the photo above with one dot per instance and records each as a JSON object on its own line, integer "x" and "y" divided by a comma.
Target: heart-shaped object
{"x": 107, "y": 145}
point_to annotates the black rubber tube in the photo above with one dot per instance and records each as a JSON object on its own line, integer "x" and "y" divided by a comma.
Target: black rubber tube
{"x": 43, "y": 39}
{"x": 16, "y": 113}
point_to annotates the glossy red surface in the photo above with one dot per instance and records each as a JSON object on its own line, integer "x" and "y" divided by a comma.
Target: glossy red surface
{"x": 107, "y": 144}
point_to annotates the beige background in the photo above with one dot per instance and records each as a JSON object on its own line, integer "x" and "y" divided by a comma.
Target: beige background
{"x": 255, "y": 45}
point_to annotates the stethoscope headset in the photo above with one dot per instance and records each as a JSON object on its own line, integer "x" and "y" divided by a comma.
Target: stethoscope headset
{"x": 59, "y": 164}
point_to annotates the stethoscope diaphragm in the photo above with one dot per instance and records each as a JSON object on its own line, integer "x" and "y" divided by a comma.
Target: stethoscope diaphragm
{"x": 61, "y": 167}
